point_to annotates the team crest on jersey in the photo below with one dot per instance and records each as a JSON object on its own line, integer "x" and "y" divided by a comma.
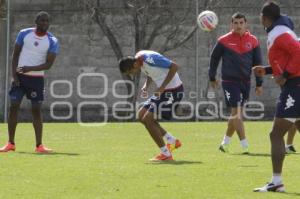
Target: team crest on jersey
{"x": 33, "y": 94}
{"x": 248, "y": 45}
{"x": 150, "y": 60}
{"x": 36, "y": 43}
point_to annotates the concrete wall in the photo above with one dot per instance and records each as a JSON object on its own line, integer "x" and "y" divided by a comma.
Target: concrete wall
{"x": 84, "y": 49}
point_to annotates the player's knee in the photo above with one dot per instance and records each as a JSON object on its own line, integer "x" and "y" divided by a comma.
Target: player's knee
{"x": 275, "y": 135}
{"x": 14, "y": 106}
{"x": 147, "y": 120}
{"x": 36, "y": 110}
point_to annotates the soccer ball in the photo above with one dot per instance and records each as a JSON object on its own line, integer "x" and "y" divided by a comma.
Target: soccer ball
{"x": 207, "y": 20}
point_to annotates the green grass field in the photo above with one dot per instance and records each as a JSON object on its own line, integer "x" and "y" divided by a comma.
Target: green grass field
{"x": 112, "y": 162}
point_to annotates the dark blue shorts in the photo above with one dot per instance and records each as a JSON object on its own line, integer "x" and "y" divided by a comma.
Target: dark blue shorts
{"x": 288, "y": 105}
{"x": 32, "y": 87}
{"x": 236, "y": 93}
{"x": 166, "y": 104}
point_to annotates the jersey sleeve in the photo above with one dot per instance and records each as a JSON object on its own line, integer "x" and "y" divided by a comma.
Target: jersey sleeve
{"x": 54, "y": 45}
{"x": 287, "y": 43}
{"x": 215, "y": 58}
{"x": 20, "y": 37}
{"x": 157, "y": 60}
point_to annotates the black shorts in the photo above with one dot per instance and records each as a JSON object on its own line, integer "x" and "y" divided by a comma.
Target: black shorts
{"x": 32, "y": 87}
{"x": 288, "y": 105}
{"x": 166, "y": 104}
{"x": 236, "y": 93}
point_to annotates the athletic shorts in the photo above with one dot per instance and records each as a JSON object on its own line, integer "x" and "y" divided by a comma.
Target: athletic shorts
{"x": 32, "y": 87}
{"x": 236, "y": 93}
{"x": 166, "y": 104}
{"x": 288, "y": 105}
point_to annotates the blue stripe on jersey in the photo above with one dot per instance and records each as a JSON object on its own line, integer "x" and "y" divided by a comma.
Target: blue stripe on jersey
{"x": 54, "y": 46}
{"x": 157, "y": 60}
{"x": 22, "y": 34}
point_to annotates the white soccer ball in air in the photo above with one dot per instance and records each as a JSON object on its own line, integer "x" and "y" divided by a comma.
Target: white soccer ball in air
{"x": 207, "y": 20}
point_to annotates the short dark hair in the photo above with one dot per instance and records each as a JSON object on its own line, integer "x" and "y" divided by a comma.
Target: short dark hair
{"x": 41, "y": 13}
{"x": 271, "y": 10}
{"x": 126, "y": 64}
{"x": 238, "y": 15}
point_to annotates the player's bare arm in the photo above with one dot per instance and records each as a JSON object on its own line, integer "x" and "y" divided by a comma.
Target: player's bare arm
{"x": 46, "y": 66}
{"x": 15, "y": 60}
{"x": 145, "y": 87}
{"x": 172, "y": 71}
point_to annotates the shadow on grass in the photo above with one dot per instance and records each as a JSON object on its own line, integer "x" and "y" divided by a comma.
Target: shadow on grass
{"x": 175, "y": 162}
{"x": 53, "y": 153}
{"x": 292, "y": 193}
{"x": 254, "y": 154}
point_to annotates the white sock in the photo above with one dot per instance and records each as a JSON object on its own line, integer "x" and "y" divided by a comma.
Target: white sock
{"x": 170, "y": 138}
{"x": 164, "y": 150}
{"x": 288, "y": 145}
{"x": 276, "y": 179}
{"x": 226, "y": 140}
{"x": 244, "y": 143}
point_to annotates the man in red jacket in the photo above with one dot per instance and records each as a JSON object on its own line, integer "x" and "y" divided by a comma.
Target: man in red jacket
{"x": 283, "y": 56}
{"x": 239, "y": 51}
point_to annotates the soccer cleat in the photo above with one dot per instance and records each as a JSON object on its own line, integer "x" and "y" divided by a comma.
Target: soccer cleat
{"x": 270, "y": 187}
{"x": 290, "y": 149}
{"x": 174, "y": 146}
{"x": 224, "y": 148}
{"x": 161, "y": 157}
{"x": 8, "y": 147}
{"x": 245, "y": 150}
{"x": 42, "y": 149}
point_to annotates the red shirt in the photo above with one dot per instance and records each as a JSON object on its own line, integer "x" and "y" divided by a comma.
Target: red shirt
{"x": 284, "y": 51}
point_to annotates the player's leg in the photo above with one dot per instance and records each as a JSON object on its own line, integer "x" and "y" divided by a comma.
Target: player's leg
{"x": 16, "y": 95}
{"x": 147, "y": 118}
{"x": 240, "y": 129}
{"x": 12, "y": 124}
{"x": 289, "y": 147}
{"x": 280, "y": 127}
{"x": 287, "y": 112}
{"x": 35, "y": 93}
{"x": 37, "y": 122}
{"x": 229, "y": 133}
{"x": 13, "y": 121}
{"x": 232, "y": 92}
{"x": 171, "y": 100}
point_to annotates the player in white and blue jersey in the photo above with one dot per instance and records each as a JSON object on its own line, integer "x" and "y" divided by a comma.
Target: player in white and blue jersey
{"x": 163, "y": 72}
{"x": 35, "y": 51}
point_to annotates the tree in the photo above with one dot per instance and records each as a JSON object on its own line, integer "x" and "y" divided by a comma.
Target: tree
{"x": 162, "y": 25}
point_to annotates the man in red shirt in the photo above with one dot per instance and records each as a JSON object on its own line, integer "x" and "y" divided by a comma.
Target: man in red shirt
{"x": 283, "y": 57}
{"x": 239, "y": 51}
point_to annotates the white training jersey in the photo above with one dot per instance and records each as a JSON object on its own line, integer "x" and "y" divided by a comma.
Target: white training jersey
{"x": 157, "y": 67}
{"x": 35, "y": 49}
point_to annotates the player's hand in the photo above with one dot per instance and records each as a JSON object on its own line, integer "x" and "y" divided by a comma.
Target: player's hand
{"x": 23, "y": 69}
{"x": 259, "y": 71}
{"x": 280, "y": 80}
{"x": 159, "y": 91}
{"x": 259, "y": 90}
{"x": 214, "y": 84}
{"x": 15, "y": 81}
{"x": 144, "y": 92}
